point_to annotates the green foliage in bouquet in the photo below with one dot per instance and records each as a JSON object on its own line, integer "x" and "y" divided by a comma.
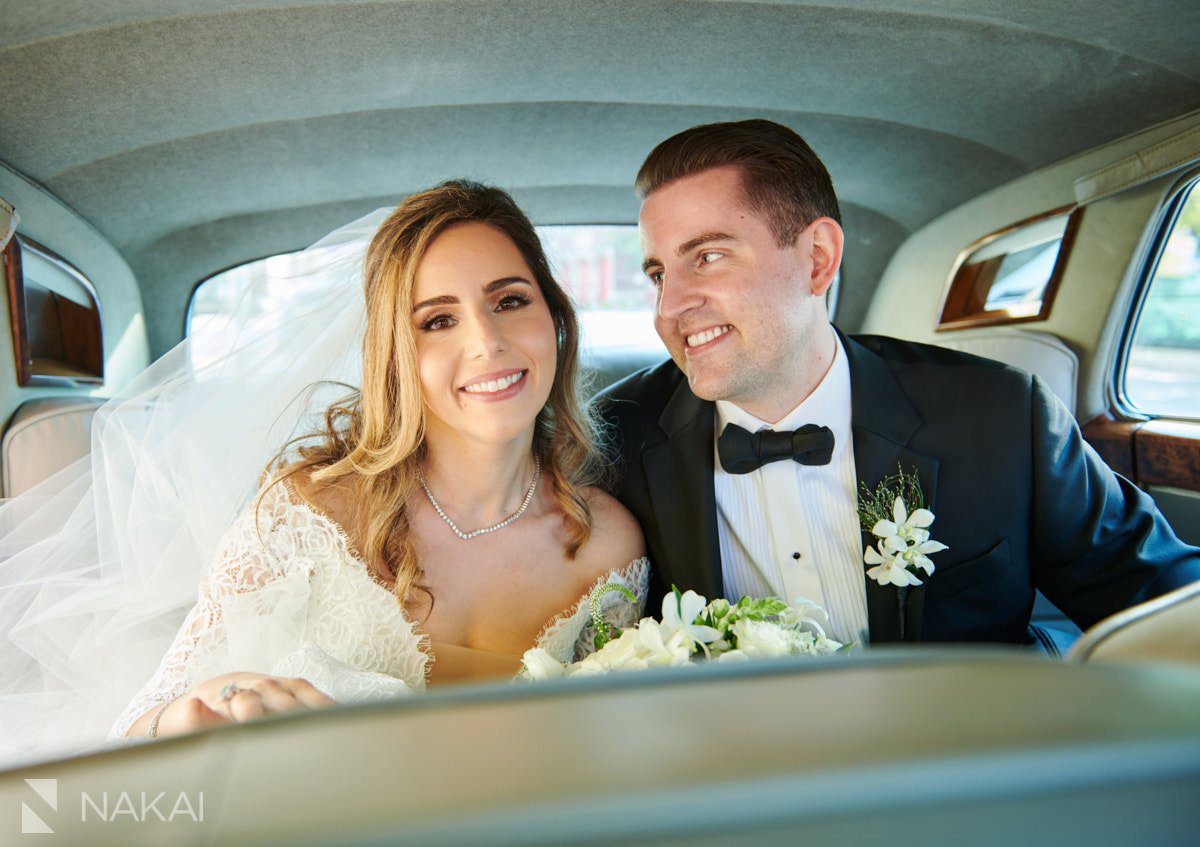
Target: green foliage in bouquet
{"x": 721, "y": 615}
{"x": 606, "y": 632}
{"x": 738, "y": 621}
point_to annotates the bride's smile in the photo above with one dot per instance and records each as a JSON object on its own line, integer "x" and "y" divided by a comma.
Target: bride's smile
{"x": 496, "y": 386}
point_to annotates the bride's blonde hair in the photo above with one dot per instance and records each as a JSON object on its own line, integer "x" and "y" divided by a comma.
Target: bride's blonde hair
{"x": 376, "y": 435}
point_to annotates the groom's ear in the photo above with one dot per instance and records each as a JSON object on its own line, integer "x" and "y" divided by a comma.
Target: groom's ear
{"x": 825, "y": 242}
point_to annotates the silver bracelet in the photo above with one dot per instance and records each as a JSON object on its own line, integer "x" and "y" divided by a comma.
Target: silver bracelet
{"x": 152, "y": 730}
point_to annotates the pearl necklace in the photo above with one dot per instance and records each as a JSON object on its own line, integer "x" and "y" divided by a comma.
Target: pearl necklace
{"x": 467, "y": 536}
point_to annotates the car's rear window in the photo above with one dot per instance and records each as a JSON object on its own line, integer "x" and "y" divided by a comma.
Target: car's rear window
{"x": 599, "y": 266}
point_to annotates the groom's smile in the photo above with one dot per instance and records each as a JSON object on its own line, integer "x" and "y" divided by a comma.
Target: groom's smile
{"x": 701, "y": 340}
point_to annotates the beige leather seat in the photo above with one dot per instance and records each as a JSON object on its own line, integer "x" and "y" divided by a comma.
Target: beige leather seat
{"x": 43, "y": 437}
{"x": 1166, "y": 628}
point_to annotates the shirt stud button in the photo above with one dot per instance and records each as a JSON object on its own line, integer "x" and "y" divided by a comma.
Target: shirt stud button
{"x": 795, "y": 555}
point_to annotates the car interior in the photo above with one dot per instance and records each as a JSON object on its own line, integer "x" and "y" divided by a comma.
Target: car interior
{"x": 1017, "y": 181}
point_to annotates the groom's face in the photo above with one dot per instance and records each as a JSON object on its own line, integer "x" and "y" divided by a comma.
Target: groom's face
{"x": 736, "y": 310}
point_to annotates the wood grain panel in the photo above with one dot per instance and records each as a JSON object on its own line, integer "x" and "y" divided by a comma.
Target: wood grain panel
{"x": 1168, "y": 453}
{"x": 16, "y": 309}
{"x": 965, "y": 297}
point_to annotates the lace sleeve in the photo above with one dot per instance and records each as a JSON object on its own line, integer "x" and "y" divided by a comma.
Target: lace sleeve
{"x": 615, "y": 608}
{"x": 572, "y": 635}
{"x": 251, "y": 575}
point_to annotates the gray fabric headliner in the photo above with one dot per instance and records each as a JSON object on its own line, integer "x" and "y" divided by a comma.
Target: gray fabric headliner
{"x": 196, "y": 135}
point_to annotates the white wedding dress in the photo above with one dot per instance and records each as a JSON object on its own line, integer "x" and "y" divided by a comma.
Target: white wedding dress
{"x": 287, "y": 596}
{"x": 100, "y": 563}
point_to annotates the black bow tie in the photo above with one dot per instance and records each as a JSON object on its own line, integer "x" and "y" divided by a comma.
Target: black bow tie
{"x": 742, "y": 451}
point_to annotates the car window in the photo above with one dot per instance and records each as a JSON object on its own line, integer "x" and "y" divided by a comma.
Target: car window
{"x": 54, "y": 315}
{"x": 277, "y": 283}
{"x": 599, "y": 266}
{"x": 1009, "y": 276}
{"x": 1162, "y": 371}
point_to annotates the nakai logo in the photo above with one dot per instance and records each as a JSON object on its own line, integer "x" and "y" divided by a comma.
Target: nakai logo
{"x": 109, "y": 807}
{"x": 141, "y": 807}
{"x": 47, "y": 792}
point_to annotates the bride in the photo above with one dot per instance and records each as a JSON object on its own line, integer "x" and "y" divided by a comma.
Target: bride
{"x": 443, "y": 518}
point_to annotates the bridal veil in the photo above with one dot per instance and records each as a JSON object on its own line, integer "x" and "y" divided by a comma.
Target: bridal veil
{"x": 100, "y": 562}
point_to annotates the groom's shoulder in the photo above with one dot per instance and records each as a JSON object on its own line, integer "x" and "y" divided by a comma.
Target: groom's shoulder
{"x": 643, "y": 391}
{"x": 628, "y": 410}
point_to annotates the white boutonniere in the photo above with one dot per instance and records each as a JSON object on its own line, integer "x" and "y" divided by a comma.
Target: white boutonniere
{"x": 903, "y": 544}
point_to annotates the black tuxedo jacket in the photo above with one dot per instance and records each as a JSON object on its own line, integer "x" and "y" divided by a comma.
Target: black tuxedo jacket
{"x": 1022, "y": 501}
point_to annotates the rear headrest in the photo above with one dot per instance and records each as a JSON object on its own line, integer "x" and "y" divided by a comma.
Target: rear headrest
{"x": 603, "y": 367}
{"x": 42, "y": 438}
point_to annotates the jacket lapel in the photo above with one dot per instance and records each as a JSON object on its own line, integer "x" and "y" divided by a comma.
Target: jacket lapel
{"x": 679, "y": 474}
{"x": 883, "y": 419}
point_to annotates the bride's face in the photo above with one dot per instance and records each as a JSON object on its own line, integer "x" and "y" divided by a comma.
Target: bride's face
{"x": 486, "y": 351}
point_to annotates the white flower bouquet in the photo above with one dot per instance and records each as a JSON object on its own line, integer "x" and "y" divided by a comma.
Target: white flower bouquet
{"x": 693, "y": 630}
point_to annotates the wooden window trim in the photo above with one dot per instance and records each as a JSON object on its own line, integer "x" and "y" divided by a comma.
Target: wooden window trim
{"x": 16, "y": 308}
{"x": 955, "y": 313}
{"x": 15, "y": 283}
{"x": 1157, "y": 452}
{"x": 1167, "y": 453}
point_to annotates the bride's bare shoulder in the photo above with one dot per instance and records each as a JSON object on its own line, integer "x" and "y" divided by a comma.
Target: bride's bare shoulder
{"x": 616, "y": 538}
{"x": 336, "y": 498}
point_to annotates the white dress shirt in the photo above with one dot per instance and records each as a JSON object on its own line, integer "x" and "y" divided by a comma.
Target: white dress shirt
{"x": 790, "y": 530}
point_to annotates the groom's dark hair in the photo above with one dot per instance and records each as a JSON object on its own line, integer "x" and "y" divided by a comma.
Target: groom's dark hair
{"x": 782, "y": 177}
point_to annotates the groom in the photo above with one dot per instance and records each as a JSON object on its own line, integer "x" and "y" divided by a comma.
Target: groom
{"x": 742, "y": 238}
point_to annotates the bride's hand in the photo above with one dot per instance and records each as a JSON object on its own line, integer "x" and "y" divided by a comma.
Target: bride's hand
{"x": 233, "y": 698}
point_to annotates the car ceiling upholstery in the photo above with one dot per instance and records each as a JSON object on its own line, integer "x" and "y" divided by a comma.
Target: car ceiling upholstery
{"x": 198, "y": 135}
